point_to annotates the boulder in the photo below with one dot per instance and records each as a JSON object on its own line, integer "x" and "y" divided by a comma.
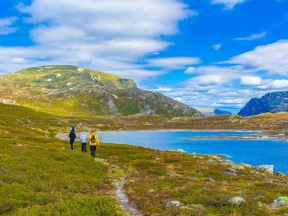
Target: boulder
{"x": 237, "y": 200}
{"x": 174, "y": 203}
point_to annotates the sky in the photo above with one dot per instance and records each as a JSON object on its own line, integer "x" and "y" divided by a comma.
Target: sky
{"x": 204, "y": 53}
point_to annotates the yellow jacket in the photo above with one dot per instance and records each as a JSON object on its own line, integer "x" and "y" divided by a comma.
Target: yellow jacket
{"x": 97, "y": 143}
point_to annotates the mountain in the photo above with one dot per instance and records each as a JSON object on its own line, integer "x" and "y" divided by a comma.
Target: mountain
{"x": 214, "y": 112}
{"x": 271, "y": 102}
{"x": 74, "y": 90}
{"x": 221, "y": 112}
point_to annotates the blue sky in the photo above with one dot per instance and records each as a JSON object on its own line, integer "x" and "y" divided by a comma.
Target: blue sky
{"x": 205, "y": 53}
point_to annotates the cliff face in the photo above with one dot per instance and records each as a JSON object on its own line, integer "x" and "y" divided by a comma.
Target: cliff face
{"x": 271, "y": 102}
{"x": 74, "y": 90}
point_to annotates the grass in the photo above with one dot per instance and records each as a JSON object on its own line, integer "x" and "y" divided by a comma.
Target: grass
{"x": 40, "y": 175}
{"x": 158, "y": 177}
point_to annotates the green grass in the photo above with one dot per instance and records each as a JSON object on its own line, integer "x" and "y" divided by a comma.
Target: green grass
{"x": 40, "y": 175}
{"x": 176, "y": 176}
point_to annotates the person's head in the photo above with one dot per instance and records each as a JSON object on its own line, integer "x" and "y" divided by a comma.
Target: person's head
{"x": 92, "y": 131}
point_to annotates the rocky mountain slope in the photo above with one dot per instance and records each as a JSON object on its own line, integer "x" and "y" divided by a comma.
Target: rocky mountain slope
{"x": 272, "y": 102}
{"x": 73, "y": 90}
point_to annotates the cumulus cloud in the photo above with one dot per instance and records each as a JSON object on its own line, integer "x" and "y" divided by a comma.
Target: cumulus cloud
{"x": 189, "y": 70}
{"x": 272, "y": 58}
{"x": 174, "y": 62}
{"x": 274, "y": 84}
{"x": 229, "y": 4}
{"x": 251, "y": 80}
{"x": 7, "y": 25}
{"x": 111, "y": 36}
{"x": 211, "y": 79}
{"x": 252, "y": 37}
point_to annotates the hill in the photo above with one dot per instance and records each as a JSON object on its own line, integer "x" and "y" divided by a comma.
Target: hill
{"x": 79, "y": 91}
{"x": 272, "y": 102}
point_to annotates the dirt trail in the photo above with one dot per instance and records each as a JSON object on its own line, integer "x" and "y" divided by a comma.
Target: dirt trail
{"x": 118, "y": 180}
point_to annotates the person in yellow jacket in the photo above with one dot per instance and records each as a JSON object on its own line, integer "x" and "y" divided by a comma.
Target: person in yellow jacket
{"x": 94, "y": 142}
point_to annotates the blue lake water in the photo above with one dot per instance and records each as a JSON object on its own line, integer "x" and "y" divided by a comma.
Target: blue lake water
{"x": 254, "y": 152}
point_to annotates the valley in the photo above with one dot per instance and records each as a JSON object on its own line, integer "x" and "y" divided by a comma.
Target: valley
{"x": 40, "y": 175}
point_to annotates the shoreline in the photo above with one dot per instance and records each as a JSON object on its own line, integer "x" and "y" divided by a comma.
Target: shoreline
{"x": 222, "y": 157}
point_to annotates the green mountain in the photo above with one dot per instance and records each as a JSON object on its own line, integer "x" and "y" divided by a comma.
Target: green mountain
{"x": 73, "y": 90}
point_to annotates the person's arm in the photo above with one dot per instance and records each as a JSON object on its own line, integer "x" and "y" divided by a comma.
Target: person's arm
{"x": 98, "y": 140}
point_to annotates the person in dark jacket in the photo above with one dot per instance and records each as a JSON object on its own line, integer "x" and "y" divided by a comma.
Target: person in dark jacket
{"x": 72, "y": 136}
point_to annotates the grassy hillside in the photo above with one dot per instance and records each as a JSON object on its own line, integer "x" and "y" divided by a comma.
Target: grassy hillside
{"x": 41, "y": 176}
{"x": 70, "y": 90}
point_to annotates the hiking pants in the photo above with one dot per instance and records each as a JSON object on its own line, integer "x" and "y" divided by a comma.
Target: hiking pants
{"x": 72, "y": 143}
{"x": 93, "y": 151}
{"x": 84, "y": 147}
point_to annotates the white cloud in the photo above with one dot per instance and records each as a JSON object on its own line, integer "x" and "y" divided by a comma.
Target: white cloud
{"x": 231, "y": 101}
{"x": 252, "y": 37}
{"x": 279, "y": 84}
{"x": 6, "y": 25}
{"x": 111, "y": 36}
{"x": 217, "y": 47}
{"x": 274, "y": 84}
{"x": 189, "y": 70}
{"x": 173, "y": 62}
{"x": 211, "y": 79}
{"x": 163, "y": 89}
{"x": 272, "y": 58}
{"x": 229, "y": 4}
{"x": 18, "y": 60}
{"x": 251, "y": 80}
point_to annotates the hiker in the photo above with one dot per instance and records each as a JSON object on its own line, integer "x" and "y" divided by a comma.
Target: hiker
{"x": 83, "y": 140}
{"x": 94, "y": 142}
{"x": 72, "y": 136}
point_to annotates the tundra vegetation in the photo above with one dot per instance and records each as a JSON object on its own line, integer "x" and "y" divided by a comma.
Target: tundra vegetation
{"x": 41, "y": 176}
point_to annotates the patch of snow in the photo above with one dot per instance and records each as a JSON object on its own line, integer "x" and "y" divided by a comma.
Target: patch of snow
{"x": 58, "y": 75}
{"x": 80, "y": 69}
{"x": 70, "y": 83}
{"x": 49, "y": 80}
{"x": 48, "y": 67}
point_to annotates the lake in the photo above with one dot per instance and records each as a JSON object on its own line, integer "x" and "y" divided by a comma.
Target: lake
{"x": 254, "y": 152}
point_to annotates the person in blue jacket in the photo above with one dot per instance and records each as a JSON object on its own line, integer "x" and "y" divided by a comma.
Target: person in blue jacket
{"x": 72, "y": 136}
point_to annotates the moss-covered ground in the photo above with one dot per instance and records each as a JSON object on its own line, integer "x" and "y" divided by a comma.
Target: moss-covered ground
{"x": 40, "y": 175}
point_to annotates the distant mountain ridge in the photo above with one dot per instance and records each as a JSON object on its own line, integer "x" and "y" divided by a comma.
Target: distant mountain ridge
{"x": 215, "y": 112}
{"x": 272, "y": 102}
{"x": 75, "y": 90}
{"x": 221, "y": 112}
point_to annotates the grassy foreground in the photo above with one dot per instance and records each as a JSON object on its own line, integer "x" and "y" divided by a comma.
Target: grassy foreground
{"x": 41, "y": 176}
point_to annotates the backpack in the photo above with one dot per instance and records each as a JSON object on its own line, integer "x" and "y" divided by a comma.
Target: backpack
{"x": 93, "y": 139}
